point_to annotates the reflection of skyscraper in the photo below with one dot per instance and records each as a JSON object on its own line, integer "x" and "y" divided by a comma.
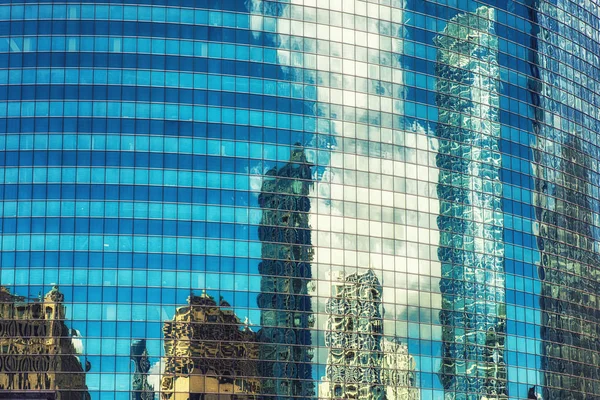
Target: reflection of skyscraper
{"x": 207, "y": 355}
{"x": 566, "y": 200}
{"x": 141, "y": 389}
{"x": 470, "y": 222}
{"x": 37, "y": 354}
{"x": 361, "y": 364}
{"x": 568, "y": 270}
{"x": 353, "y": 336}
{"x": 286, "y": 312}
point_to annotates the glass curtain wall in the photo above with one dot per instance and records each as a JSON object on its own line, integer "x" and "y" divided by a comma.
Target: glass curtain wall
{"x": 300, "y": 199}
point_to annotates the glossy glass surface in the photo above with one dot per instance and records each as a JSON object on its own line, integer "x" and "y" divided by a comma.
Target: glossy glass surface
{"x": 338, "y": 199}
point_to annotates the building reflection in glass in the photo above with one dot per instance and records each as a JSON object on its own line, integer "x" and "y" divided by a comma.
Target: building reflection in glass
{"x": 361, "y": 364}
{"x": 565, "y": 198}
{"x": 209, "y": 353}
{"x": 569, "y": 325}
{"x": 286, "y": 311}
{"x": 141, "y": 389}
{"x": 471, "y": 222}
{"x": 38, "y": 358}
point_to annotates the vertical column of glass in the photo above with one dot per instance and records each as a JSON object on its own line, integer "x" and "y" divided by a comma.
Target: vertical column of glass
{"x": 565, "y": 204}
{"x": 285, "y": 351}
{"x": 471, "y": 248}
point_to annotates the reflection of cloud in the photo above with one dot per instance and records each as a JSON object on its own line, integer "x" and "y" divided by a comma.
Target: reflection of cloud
{"x": 376, "y": 183}
{"x": 371, "y": 32}
{"x": 77, "y": 341}
{"x": 394, "y": 241}
{"x": 256, "y": 174}
{"x": 155, "y": 375}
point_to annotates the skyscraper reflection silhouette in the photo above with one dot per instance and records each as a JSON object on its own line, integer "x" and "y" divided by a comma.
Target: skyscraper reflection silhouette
{"x": 286, "y": 311}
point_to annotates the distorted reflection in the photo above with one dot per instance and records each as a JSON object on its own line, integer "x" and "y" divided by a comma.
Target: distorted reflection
{"x": 567, "y": 211}
{"x": 570, "y": 279}
{"x": 286, "y": 310}
{"x": 209, "y": 353}
{"x": 38, "y": 357}
{"x": 470, "y": 222}
{"x": 361, "y": 363}
{"x": 142, "y": 390}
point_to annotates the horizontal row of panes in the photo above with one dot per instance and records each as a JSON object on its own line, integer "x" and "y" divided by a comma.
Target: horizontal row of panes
{"x": 183, "y": 144}
{"x": 124, "y": 312}
{"x": 146, "y": 143}
{"x": 210, "y": 147}
{"x": 189, "y": 48}
{"x": 236, "y": 248}
{"x": 226, "y": 155}
{"x": 240, "y": 83}
{"x": 142, "y": 244}
{"x": 125, "y": 209}
{"x": 156, "y": 78}
{"x": 146, "y": 317}
{"x": 406, "y": 306}
{"x": 208, "y": 272}
{"x": 119, "y": 12}
{"x": 219, "y": 208}
{"x": 243, "y": 149}
{"x": 117, "y": 109}
{"x": 126, "y": 176}
{"x": 138, "y": 244}
{"x": 212, "y": 114}
{"x": 196, "y": 48}
{"x": 214, "y": 227}
{"x": 178, "y": 15}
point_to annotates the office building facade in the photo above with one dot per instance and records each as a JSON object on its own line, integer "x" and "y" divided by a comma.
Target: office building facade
{"x": 189, "y": 178}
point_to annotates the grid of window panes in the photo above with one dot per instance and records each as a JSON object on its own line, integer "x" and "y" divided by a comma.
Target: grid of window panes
{"x": 364, "y": 199}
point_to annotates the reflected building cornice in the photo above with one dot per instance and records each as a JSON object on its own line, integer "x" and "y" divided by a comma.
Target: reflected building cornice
{"x": 39, "y": 358}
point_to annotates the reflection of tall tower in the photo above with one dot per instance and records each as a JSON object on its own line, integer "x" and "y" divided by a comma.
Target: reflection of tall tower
{"x": 566, "y": 208}
{"x": 470, "y": 222}
{"x": 141, "y": 389}
{"x": 353, "y": 336}
{"x": 207, "y": 355}
{"x": 361, "y": 364}
{"x": 569, "y": 273}
{"x": 286, "y": 312}
{"x": 37, "y": 354}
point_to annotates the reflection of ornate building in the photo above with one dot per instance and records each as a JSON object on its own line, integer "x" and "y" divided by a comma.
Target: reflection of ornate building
{"x": 471, "y": 222}
{"x": 286, "y": 311}
{"x": 207, "y": 355}
{"x": 37, "y": 355}
{"x": 361, "y": 365}
{"x": 353, "y": 336}
{"x": 141, "y": 389}
{"x": 398, "y": 371}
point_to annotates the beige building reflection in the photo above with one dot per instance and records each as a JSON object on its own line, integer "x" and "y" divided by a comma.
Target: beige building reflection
{"x": 362, "y": 364}
{"x": 209, "y": 353}
{"x": 37, "y": 354}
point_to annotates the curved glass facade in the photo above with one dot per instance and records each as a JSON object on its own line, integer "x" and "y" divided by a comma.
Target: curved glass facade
{"x": 300, "y": 199}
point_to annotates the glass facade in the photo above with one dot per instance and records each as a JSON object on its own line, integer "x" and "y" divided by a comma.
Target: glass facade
{"x": 300, "y": 199}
